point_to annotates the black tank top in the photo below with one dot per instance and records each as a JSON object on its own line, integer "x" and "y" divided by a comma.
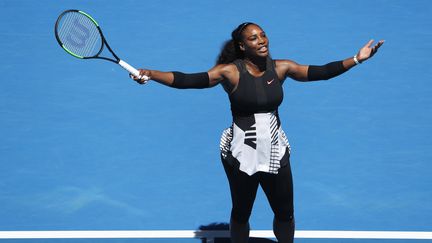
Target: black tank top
{"x": 256, "y": 94}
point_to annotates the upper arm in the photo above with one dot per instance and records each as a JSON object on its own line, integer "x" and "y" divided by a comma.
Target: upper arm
{"x": 223, "y": 72}
{"x": 288, "y": 68}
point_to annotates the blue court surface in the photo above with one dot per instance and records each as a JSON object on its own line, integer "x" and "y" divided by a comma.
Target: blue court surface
{"x": 83, "y": 147}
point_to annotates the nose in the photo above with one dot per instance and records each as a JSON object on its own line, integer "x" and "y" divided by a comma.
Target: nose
{"x": 262, "y": 40}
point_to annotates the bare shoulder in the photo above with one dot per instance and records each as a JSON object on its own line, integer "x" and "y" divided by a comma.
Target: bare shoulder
{"x": 288, "y": 68}
{"x": 284, "y": 67}
{"x": 225, "y": 68}
{"x": 285, "y": 64}
{"x": 223, "y": 73}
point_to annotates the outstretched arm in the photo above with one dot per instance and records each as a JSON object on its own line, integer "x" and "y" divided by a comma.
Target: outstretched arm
{"x": 175, "y": 79}
{"x": 217, "y": 74}
{"x": 299, "y": 72}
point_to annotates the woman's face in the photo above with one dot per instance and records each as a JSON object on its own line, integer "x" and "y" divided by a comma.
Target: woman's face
{"x": 255, "y": 42}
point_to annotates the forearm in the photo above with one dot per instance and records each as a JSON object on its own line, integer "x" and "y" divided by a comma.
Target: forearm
{"x": 349, "y": 63}
{"x": 165, "y": 78}
{"x": 329, "y": 70}
{"x": 181, "y": 80}
{"x": 190, "y": 80}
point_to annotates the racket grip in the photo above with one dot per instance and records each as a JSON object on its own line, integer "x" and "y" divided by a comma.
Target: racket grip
{"x": 132, "y": 70}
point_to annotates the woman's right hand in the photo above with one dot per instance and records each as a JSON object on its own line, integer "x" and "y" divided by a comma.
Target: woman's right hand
{"x": 145, "y": 76}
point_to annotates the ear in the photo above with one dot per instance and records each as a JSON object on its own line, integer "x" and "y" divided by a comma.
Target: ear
{"x": 241, "y": 45}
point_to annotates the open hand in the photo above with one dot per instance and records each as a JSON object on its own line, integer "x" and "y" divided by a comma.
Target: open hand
{"x": 368, "y": 51}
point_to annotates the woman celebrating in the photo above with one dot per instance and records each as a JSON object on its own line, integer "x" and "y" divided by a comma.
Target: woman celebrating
{"x": 255, "y": 150}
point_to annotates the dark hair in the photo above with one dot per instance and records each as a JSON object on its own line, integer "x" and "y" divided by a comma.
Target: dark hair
{"x": 231, "y": 50}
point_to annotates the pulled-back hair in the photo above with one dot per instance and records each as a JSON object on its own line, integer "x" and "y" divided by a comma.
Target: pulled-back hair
{"x": 231, "y": 50}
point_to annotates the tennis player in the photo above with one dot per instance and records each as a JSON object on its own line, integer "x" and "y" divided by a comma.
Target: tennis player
{"x": 254, "y": 149}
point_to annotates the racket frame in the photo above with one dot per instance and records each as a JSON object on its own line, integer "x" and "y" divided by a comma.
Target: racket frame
{"x": 117, "y": 60}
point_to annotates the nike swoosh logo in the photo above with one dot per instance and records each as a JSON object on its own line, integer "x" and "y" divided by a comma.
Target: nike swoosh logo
{"x": 271, "y": 81}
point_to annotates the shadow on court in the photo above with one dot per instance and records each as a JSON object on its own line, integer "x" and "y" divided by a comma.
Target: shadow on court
{"x": 225, "y": 227}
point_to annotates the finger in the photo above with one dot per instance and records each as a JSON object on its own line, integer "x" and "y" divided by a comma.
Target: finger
{"x": 377, "y": 46}
{"x": 369, "y": 43}
{"x": 146, "y": 75}
{"x": 143, "y": 79}
{"x": 142, "y": 72}
{"x": 133, "y": 77}
{"x": 380, "y": 43}
{"x": 374, "y": 50}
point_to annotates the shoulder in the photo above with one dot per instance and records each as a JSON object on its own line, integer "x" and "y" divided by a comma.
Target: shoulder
{"x": 285, "y": 64}
{"x": 284, "y": 67}
{"x": 224, "y": 69}
{"x": 223, "y": 73}
{"x": 289, "y": 68}
{"x": 228, "y": 67}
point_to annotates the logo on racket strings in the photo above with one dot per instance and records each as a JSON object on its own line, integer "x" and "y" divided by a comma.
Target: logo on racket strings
{"x": 78, "y": 34}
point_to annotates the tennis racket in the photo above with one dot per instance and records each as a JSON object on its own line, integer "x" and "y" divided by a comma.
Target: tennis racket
{"x": 80, "y": 35}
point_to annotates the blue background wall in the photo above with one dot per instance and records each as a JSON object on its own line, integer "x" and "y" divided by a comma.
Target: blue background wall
{"x": 84, "y": 147}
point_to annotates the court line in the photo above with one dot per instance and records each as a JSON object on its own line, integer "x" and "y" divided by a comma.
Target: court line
{"x": 104, "y": 234}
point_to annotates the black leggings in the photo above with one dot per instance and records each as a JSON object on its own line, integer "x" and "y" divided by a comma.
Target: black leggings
{"x": 277, "y": 187}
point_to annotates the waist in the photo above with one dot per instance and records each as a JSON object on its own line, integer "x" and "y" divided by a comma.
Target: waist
{"x": 244, "y": 112}
{"x": 257, "y": 125}
{"x": 249, "y": 119}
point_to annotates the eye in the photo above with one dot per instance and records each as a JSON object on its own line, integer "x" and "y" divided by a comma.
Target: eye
{"x": 252, "y": 38}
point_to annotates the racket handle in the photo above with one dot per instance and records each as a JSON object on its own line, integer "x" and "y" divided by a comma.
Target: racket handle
{"x": 132, "y": 70}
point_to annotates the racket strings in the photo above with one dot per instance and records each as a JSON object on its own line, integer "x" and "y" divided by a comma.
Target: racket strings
{"x": 79, "y": 34}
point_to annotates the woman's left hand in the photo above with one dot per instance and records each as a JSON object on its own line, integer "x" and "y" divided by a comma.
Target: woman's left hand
{"x": 368, "y": 51}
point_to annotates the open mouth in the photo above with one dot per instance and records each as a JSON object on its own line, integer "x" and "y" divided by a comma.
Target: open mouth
{"x": 262, "y": 49}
